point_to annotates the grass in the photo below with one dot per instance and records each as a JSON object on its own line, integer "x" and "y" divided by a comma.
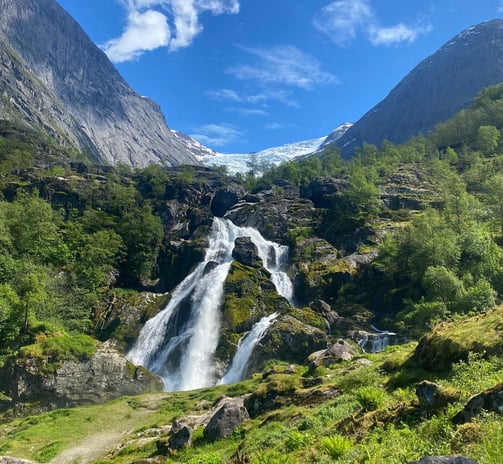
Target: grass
{"x": 374, "y": 420}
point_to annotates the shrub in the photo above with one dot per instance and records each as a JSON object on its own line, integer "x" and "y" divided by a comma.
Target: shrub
{"x": 336, "y": 445}
{"x": 370, "y": 398}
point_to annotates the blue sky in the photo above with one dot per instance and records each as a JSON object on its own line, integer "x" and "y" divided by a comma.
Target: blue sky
{"x": 244, "y": 75}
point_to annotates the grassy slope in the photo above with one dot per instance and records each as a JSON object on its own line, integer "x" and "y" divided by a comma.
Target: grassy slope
{"x": 376, "y": 419}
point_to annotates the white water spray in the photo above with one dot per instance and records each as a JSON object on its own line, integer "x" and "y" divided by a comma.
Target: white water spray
{"x": 247, "y": 344}
{"x": 178, "y": 344}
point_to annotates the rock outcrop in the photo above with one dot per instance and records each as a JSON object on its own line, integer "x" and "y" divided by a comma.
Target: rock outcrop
{"x": 490, "y": 400}
{"x": 54, "y": 78}
{"x": 103, "y": 376}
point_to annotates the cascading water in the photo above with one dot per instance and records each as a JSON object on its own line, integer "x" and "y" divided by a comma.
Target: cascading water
{"x": 247, "y": 344}
{"x": 178, "y": 344}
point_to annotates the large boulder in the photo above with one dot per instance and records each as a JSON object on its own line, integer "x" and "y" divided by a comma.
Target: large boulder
{"x": 103, "y": 376}
{"x": 339, "y": 351}
{"x": 228, "y": 417}
{"x": 489, "y": 400}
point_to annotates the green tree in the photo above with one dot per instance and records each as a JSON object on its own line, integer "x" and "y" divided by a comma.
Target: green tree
{"x": 494, "y": 197}
{"x": 487, "y": 139}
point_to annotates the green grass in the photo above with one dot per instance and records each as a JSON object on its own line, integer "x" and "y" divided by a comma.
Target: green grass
{"x": 372, "y": 421}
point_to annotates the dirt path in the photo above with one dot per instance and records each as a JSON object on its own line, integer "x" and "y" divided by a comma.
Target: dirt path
{"x": 91, "y": 448}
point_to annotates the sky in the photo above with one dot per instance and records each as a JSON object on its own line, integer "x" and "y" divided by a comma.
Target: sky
{"x": 244, "y": 75}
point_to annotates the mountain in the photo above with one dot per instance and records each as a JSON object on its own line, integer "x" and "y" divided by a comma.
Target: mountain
{"x": 239, "y": 162}
{"x": 434, "y": 90}
{"x": 53, "y": 78}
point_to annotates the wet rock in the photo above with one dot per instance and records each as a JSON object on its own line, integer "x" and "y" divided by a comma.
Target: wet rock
{"x": 373, "y": 342}
{"x": 246, "y": 252}
{"x": 489, "y": 400}
{"x": 231, "y": 414}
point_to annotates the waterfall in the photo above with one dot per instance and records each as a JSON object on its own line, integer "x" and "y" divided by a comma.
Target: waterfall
{"x": 237, "y": 369}
{"x": 178, "y": 344}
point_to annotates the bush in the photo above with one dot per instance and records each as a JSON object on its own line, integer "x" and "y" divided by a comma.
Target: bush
{"x": 370, "y": 398}
{"x": 336, "y": 445}
{"x": 61, "y": 347}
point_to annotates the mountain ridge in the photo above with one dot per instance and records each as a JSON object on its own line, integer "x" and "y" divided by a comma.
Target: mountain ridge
{"x": 81, "y": 97}
{"x": 434, "y": 90}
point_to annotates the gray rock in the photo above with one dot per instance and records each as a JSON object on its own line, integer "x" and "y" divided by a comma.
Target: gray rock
{"x": 339, "y": 351}
{"x": 445, "y": 460}
{"x": 13, "y": 460}
{"x": 182, "y": 438}
{"x": 231, "y": 414}
{"x": 246, "y": 252}
{"x": 106, "y": 375}
{"x": 489, "y": 400}
{"x": 433, "y": 397}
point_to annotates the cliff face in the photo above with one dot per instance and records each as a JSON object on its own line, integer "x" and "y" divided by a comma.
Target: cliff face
{"x": 434, "y": 90}
{"x": 53, "y": 76}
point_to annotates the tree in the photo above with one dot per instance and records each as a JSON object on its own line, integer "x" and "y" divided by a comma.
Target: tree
{"x": 487, "y": 139}
{"x": 494, "y": 197}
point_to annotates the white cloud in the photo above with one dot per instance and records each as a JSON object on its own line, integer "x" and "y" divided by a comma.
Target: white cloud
{"x": 248, "y": 111}
{"x": 162, "y": 23}
{"x": 282, "y": 65}
{"x": 396, "y": 34}
{"x": 145, "y": 31}
{"x": 217, "y": 135}
{"x": 343, "y": 20}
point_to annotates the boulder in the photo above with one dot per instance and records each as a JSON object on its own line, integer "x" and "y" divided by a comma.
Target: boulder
{"x": 246, "y": 252}
{"x": 433, "y": 397}
{"x": 339, "y": 351}
{"x": 489, "y": 400}
{"x": 231, "y": 414}
{"x": 181, "y": 438}
{"x": 445, "y": 460}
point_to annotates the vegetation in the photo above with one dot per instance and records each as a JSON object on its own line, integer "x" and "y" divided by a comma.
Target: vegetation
{"x": 74, "y": 238}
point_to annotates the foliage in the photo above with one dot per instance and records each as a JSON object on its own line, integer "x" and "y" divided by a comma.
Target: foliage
{"x": 336, "y": 445}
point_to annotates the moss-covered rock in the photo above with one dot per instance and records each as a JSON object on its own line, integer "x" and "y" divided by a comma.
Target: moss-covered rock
{"x": 450, "y": 342}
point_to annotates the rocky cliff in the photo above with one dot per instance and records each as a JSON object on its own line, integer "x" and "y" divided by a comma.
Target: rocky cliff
{"x": 54, "y": 78}
{"x": 434, "y": 90}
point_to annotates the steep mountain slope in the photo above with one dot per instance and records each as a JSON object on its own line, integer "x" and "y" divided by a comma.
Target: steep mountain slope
{"x": 53, "y": 76}
{"x": 435, "y": 90}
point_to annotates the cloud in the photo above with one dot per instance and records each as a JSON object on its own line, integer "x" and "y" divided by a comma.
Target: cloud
{"x": 344, "y": 20}
{"x": 262, "y": 97}
{"x": 396, "y": 34}
{"x": 282, "y": 65}
{"x": 217, "y": 135}
{"x": 145, "y": 31}
{"x": 153, "y": 24}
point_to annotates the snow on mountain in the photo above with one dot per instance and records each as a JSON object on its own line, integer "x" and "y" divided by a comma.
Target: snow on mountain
{"x": 239, "y": 162}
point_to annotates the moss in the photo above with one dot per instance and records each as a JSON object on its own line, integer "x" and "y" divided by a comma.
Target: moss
{"x": 450, "y": 342}
{"x": 61, "y": 347}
